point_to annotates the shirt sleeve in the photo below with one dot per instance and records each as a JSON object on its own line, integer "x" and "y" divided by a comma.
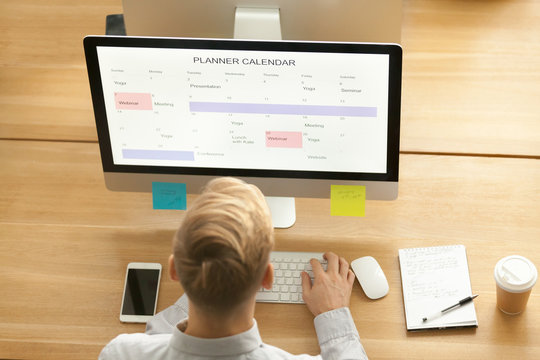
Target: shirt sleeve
{"x": 165, "y": 321}
{"x": 337, "y": 335}
{"x": 110, "y": 351}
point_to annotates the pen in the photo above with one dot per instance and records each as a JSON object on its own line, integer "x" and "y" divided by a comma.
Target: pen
{"x": 450, "y": 308}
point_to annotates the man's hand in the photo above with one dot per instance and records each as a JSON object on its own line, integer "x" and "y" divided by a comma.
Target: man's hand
{"x": 331, "y": 289}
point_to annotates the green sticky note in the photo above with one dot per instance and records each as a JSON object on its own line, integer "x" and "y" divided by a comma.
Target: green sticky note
{"x": 169, "y": 196}
{"x": 347, "y": 200}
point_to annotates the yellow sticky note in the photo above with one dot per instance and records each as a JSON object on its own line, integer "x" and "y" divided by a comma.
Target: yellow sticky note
{"x": 347, "y": 200}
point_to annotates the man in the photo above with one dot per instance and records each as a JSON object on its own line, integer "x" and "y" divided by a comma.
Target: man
{"x": 221, "y": 258}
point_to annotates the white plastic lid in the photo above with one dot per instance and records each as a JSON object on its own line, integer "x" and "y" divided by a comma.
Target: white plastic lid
{"x": 515, "y": 274}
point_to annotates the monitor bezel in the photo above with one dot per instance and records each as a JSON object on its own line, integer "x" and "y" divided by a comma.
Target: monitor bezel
{"x": 394, "y": 102}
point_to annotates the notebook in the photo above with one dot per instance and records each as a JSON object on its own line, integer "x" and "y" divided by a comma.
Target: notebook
{"x": 434, "y": 278}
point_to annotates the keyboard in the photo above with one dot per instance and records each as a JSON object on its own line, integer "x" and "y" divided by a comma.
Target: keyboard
{"x": 288, "y": 266}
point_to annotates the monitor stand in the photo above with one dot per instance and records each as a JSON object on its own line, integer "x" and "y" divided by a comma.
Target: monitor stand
{"x": 264, "y": 24}
{"x": 283, "y": 211}
{"x": 257, "y": 23}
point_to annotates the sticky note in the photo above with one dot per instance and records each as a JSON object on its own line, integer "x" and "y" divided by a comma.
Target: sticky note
{"x": 347, "y": 200}
{"x": 169, "y": 196}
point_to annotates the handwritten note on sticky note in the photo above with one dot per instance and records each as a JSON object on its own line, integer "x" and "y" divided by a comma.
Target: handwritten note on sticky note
{"x": 169, "y": 196}
{"x": 347, "y": 200}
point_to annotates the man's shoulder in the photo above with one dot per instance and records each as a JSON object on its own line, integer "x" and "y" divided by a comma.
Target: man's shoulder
{"x": 136, "y": 346}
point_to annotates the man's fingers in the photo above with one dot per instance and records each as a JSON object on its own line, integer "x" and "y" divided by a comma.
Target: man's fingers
{"x": 316, "y": 267}
{"x": 350, "y": 277}
{"x": 306, "y": 283}
{"x": 343, "y": 267}
{"x": 333, "y": 262}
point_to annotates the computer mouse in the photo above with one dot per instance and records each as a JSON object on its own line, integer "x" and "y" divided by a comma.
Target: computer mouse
{"x": 370, "y": 276}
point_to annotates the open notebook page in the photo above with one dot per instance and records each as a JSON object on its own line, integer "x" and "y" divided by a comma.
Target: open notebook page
{"x": 433, "y": 279}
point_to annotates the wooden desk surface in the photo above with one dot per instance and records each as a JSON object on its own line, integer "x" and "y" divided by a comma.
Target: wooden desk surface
{"x": 471, "y": 76}
{"x": 66, "y": 240}
{"x": 471, "y": 85}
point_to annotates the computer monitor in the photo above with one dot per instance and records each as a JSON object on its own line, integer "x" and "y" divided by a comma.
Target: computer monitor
{"x": 291, "y": 117}
{"x": 315, "y": 20}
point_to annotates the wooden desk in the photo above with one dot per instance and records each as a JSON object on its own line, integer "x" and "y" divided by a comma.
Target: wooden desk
{"x": 470, "y": 76}
{"x": 471, "y": 86}
{"x": 44, "y": 91}
{"x": 66, "y": 240}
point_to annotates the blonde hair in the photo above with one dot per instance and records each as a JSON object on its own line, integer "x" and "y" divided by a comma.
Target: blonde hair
{"x": 222, "y": 248}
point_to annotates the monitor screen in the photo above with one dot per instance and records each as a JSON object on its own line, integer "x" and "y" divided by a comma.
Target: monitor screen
{"x": 259, "y": 109}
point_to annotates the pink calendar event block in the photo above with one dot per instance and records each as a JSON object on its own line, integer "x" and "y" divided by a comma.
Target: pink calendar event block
{"x": 284, "y": 139}
{"x": 133, "y": 101}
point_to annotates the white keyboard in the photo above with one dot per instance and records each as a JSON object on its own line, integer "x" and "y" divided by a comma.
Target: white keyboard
{"x": 288, "y": 266}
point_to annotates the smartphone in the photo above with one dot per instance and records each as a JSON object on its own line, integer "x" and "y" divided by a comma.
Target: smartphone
{"x": 140, "y": 292}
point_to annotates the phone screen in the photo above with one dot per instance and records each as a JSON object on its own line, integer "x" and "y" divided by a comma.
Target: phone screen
{"x": 141, "y": 292}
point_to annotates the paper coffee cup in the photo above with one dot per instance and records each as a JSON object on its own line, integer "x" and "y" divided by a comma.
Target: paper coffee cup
{"x": 515, "y": 277}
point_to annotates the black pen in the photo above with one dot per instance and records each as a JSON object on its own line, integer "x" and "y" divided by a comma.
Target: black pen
{"x": 450, "y": 308}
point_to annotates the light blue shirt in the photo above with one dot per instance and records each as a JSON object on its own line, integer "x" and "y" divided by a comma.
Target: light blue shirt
{"x": 336, "y": 332}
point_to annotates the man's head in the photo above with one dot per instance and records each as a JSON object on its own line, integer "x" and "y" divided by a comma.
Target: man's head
{"x": 222, "y": 248}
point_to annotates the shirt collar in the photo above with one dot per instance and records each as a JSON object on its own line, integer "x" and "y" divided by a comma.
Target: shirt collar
{"x": 226, "y": 346}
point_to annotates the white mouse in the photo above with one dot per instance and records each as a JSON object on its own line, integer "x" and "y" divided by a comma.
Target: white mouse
{"x": 370, "y": 276}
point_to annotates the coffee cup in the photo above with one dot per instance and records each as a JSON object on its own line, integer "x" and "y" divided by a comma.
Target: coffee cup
{"x": 515, "y": 277}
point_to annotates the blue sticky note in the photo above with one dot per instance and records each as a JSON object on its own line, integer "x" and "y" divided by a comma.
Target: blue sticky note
{"x": 169, "y": 196}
